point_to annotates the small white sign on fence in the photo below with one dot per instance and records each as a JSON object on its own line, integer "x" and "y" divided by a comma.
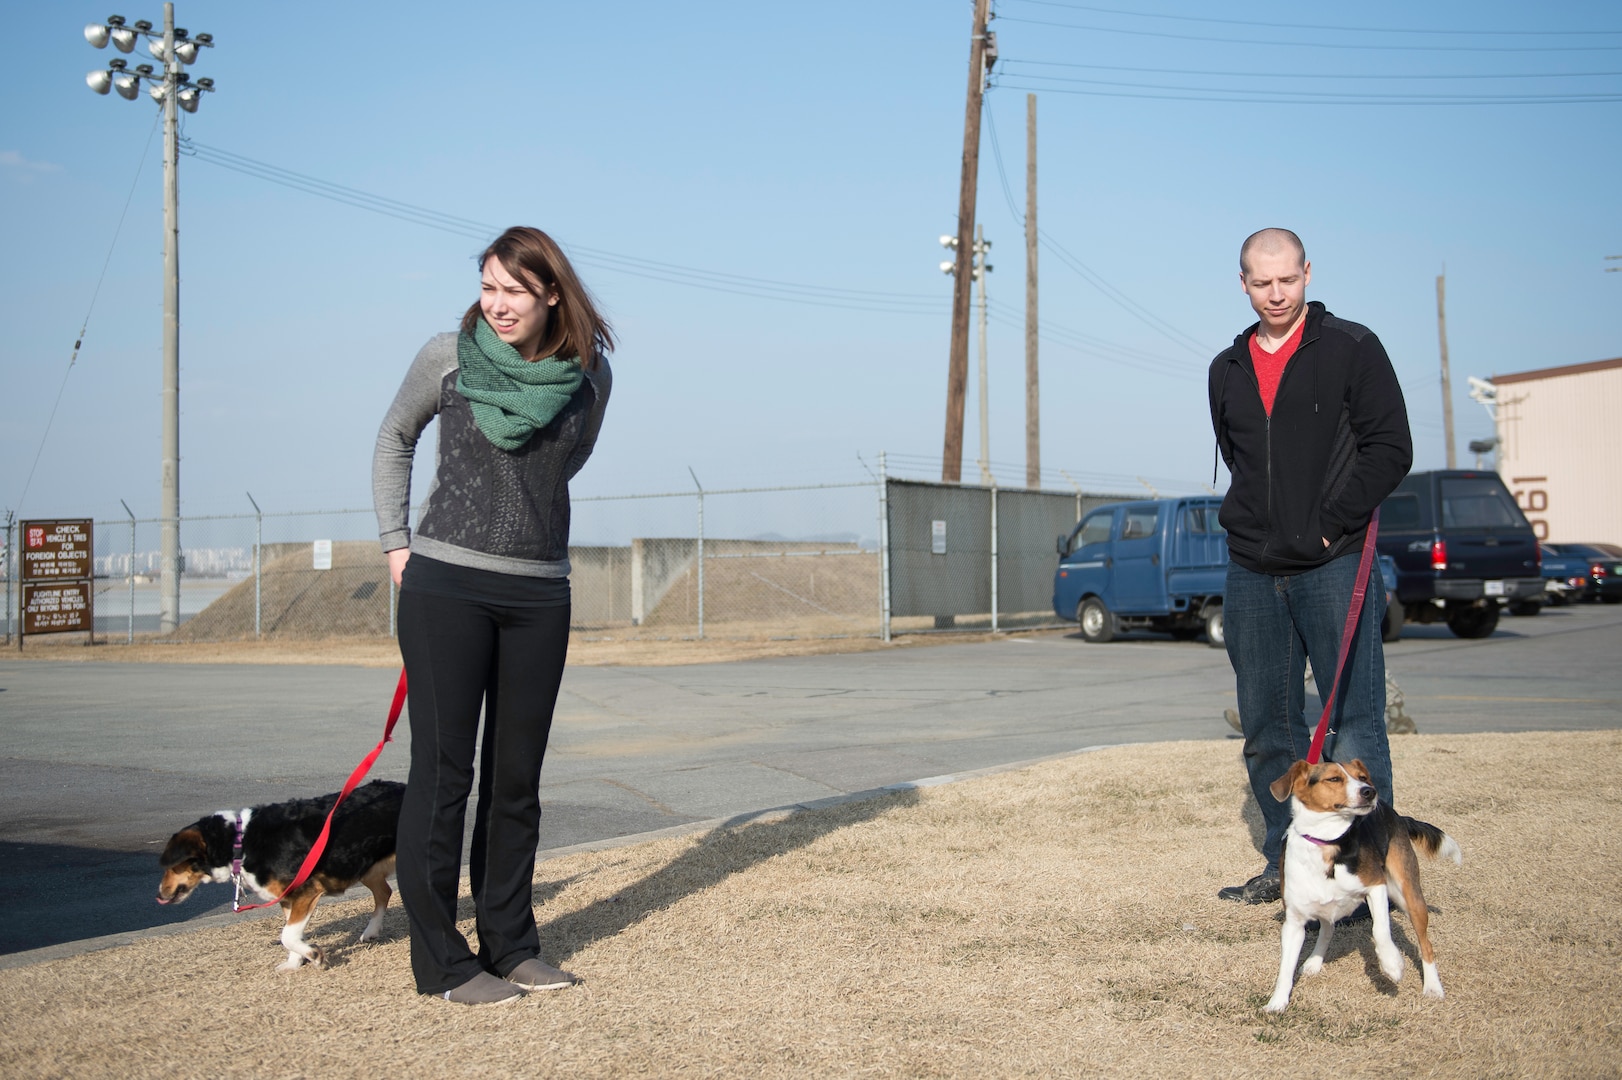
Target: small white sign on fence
{"x": 937, "y": 538}
{"x": 323, "y": 555}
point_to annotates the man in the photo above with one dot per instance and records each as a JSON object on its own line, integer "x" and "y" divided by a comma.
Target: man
{"x": 1310, "y": 420}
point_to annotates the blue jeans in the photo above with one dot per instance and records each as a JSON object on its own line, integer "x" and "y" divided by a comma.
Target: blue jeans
{"x": 1272, "y": 625}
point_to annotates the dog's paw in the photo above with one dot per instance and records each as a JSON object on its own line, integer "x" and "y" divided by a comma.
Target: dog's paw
{"x": 1313, "y": 965}
{"x": 293, "y": 962}
{"x": 1276, "y": 1004}
{"x": 1392, "y": 965}
{"x": 1433, "y": 984}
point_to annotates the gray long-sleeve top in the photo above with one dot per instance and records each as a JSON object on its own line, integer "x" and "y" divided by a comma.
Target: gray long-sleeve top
{"x": 492, "y": 509}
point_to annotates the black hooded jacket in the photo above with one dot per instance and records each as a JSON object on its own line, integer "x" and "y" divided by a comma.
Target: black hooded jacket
{"x": 1337, "y": 444}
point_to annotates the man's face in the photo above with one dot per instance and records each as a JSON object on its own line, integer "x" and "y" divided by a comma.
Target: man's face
{"x": 1276, "y": 282}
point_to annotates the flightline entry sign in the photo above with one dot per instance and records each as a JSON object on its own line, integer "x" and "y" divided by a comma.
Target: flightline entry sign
{"x": 57, "y": 593}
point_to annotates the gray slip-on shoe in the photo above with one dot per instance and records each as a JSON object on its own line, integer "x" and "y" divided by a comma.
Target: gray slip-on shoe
{"x": 484, "y": 989}
{"x": 532, "y": 974}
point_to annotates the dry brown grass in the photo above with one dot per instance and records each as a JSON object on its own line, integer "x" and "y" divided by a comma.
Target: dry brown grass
{"x": 1059, "y": 920}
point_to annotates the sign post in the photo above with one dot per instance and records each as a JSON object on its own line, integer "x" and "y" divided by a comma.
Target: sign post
{"x": 58, "y": 593}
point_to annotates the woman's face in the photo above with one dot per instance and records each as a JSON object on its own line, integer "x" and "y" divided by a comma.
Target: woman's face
{"x": 518, "y": 316}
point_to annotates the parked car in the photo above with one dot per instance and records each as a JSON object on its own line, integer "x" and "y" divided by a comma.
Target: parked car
{"x": 1159, "y": 565}
{"x": 1565, "y": 577}
{"x": 1602, "y": 564}
{"x": 1463, "y": 550}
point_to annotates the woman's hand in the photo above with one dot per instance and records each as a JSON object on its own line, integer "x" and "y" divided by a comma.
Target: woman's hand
{"x": 397, "y": 561}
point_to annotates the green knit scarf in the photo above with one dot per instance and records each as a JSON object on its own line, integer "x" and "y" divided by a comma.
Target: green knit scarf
{"x": 511, "y": 398}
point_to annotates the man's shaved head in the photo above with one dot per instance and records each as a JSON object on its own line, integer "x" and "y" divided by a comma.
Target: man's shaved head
{"x": 1271, "y": 241}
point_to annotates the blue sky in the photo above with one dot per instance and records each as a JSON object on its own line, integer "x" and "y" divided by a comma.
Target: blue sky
{"x": 783, "y": 143}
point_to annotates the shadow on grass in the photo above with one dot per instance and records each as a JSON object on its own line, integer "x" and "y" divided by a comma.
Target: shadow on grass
{"x": 733, "y": 848}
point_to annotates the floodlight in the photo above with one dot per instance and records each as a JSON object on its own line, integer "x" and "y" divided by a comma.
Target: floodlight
{"x": 123, "y": 39}
{"x": 947, "y": 268}
{"x": 159, "y": 91}
{"x": 99, "y": 81}
{"x": 128, "y": 86}
{"x": 186, "y": 51}
{"x": 948, "y": 241}
{"x": 97, "y": 35}
{"x": 155, "y": 47}
{"x": 188, "y": 99}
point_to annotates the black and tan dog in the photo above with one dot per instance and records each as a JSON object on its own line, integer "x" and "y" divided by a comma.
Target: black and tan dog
{"x": 271, "y": 843}
{"x": 1346, "y": 847}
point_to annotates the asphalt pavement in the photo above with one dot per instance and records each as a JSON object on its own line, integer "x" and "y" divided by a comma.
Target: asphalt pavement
{"x": 101, "y": 762}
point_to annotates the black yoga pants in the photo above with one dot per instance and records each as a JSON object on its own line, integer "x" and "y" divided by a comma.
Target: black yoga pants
{"x": 461, "y": 656}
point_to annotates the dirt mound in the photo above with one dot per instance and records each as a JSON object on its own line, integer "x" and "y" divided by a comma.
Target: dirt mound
{"x": 298, "y": 601}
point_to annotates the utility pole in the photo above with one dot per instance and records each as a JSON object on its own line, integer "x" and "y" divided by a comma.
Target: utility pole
{"x": 1447, "y": 382}
{"x": 981, "y": 269}
{"x": 957, "y": 366}
{"x": 1033, "y": 397}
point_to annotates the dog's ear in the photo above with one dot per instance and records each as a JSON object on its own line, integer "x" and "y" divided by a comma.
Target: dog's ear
{"x": 183, "y": 845}
{"x": 1282, "y": 787}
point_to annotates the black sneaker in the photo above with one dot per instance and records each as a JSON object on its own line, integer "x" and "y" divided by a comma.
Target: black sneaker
{"x": 1261, "y": 889}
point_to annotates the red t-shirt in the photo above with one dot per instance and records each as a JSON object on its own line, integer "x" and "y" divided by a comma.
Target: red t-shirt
{"x": 1270, "y": 365}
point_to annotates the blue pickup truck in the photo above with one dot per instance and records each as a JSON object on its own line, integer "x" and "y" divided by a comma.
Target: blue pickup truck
{"x": 1154, "y": 565}
{"x": 1160, "y": 565}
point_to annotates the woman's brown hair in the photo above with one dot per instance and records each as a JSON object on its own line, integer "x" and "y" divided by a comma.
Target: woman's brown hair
{"x": 534, "y": 258}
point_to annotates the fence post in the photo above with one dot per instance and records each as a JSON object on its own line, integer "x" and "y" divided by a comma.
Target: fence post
{"x": 258, "y": 555}
{"x": 884, "y": 550}
{"x": 700, "y": 487}
{"x": 130, "y": 639}
{"x": 5, "y": 567}
{"x": 994, "y": 556}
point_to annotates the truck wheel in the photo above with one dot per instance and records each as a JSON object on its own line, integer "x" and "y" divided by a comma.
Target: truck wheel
{"x": 1215, "y": 635}
{"x": 1097, "y": 624}
{"x": 1473, "y": 622}
{"x": 1391, "y": 625}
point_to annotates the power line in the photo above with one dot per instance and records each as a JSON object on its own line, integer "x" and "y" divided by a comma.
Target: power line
{"x": 1096, "y": 280}
{"x": 892, "y": 303}
{"x": 1308, "y": 26}
{"x": 1363, "y": 75}
{"x": 1318, "y": 44}
{"x": 74, "y": 357}
{"x": 1226, "y": 96}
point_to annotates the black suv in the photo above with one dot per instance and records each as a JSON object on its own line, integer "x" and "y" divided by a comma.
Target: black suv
{"x": 1463, "y": 549}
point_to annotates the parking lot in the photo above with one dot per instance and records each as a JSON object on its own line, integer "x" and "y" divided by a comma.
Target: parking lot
{"x": 103, "y": 761}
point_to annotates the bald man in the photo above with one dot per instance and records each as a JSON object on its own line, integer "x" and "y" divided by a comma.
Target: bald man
{"x": 1310, "y": 420}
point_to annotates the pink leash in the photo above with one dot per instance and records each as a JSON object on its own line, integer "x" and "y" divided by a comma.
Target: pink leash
{"x": 1352, "y": 613}
{"x": 326, "y": 829}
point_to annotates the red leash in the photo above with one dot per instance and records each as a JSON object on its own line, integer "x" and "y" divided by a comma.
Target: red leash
{"x": 326, "y": 829}
{"x": 1358, "y": 592}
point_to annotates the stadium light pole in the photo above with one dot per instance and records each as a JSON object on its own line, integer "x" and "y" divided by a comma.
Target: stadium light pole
{"x": 173, "y": 89}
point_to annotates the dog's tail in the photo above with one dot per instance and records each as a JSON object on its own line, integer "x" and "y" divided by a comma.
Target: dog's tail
{"x": 1433, "y": 841}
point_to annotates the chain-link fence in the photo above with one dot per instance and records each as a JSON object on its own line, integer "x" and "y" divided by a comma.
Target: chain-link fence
{"x": 876, "y": 558}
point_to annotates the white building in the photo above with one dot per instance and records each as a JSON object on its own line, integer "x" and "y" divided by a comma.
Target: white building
{"x": 1560, "y": 449}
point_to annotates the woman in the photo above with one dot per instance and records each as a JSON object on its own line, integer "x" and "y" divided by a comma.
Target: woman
{"x": 484, "y": 600}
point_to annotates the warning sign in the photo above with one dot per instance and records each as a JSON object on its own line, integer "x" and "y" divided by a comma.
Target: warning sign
{"x": 56, "y": 550}
{"x": 56, "y": 608}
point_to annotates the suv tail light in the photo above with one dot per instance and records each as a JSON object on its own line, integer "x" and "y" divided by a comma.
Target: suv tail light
{"x": 1438, "y": 554}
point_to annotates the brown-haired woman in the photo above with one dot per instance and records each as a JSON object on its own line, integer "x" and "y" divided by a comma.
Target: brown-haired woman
{"x": 484, "y": 600}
